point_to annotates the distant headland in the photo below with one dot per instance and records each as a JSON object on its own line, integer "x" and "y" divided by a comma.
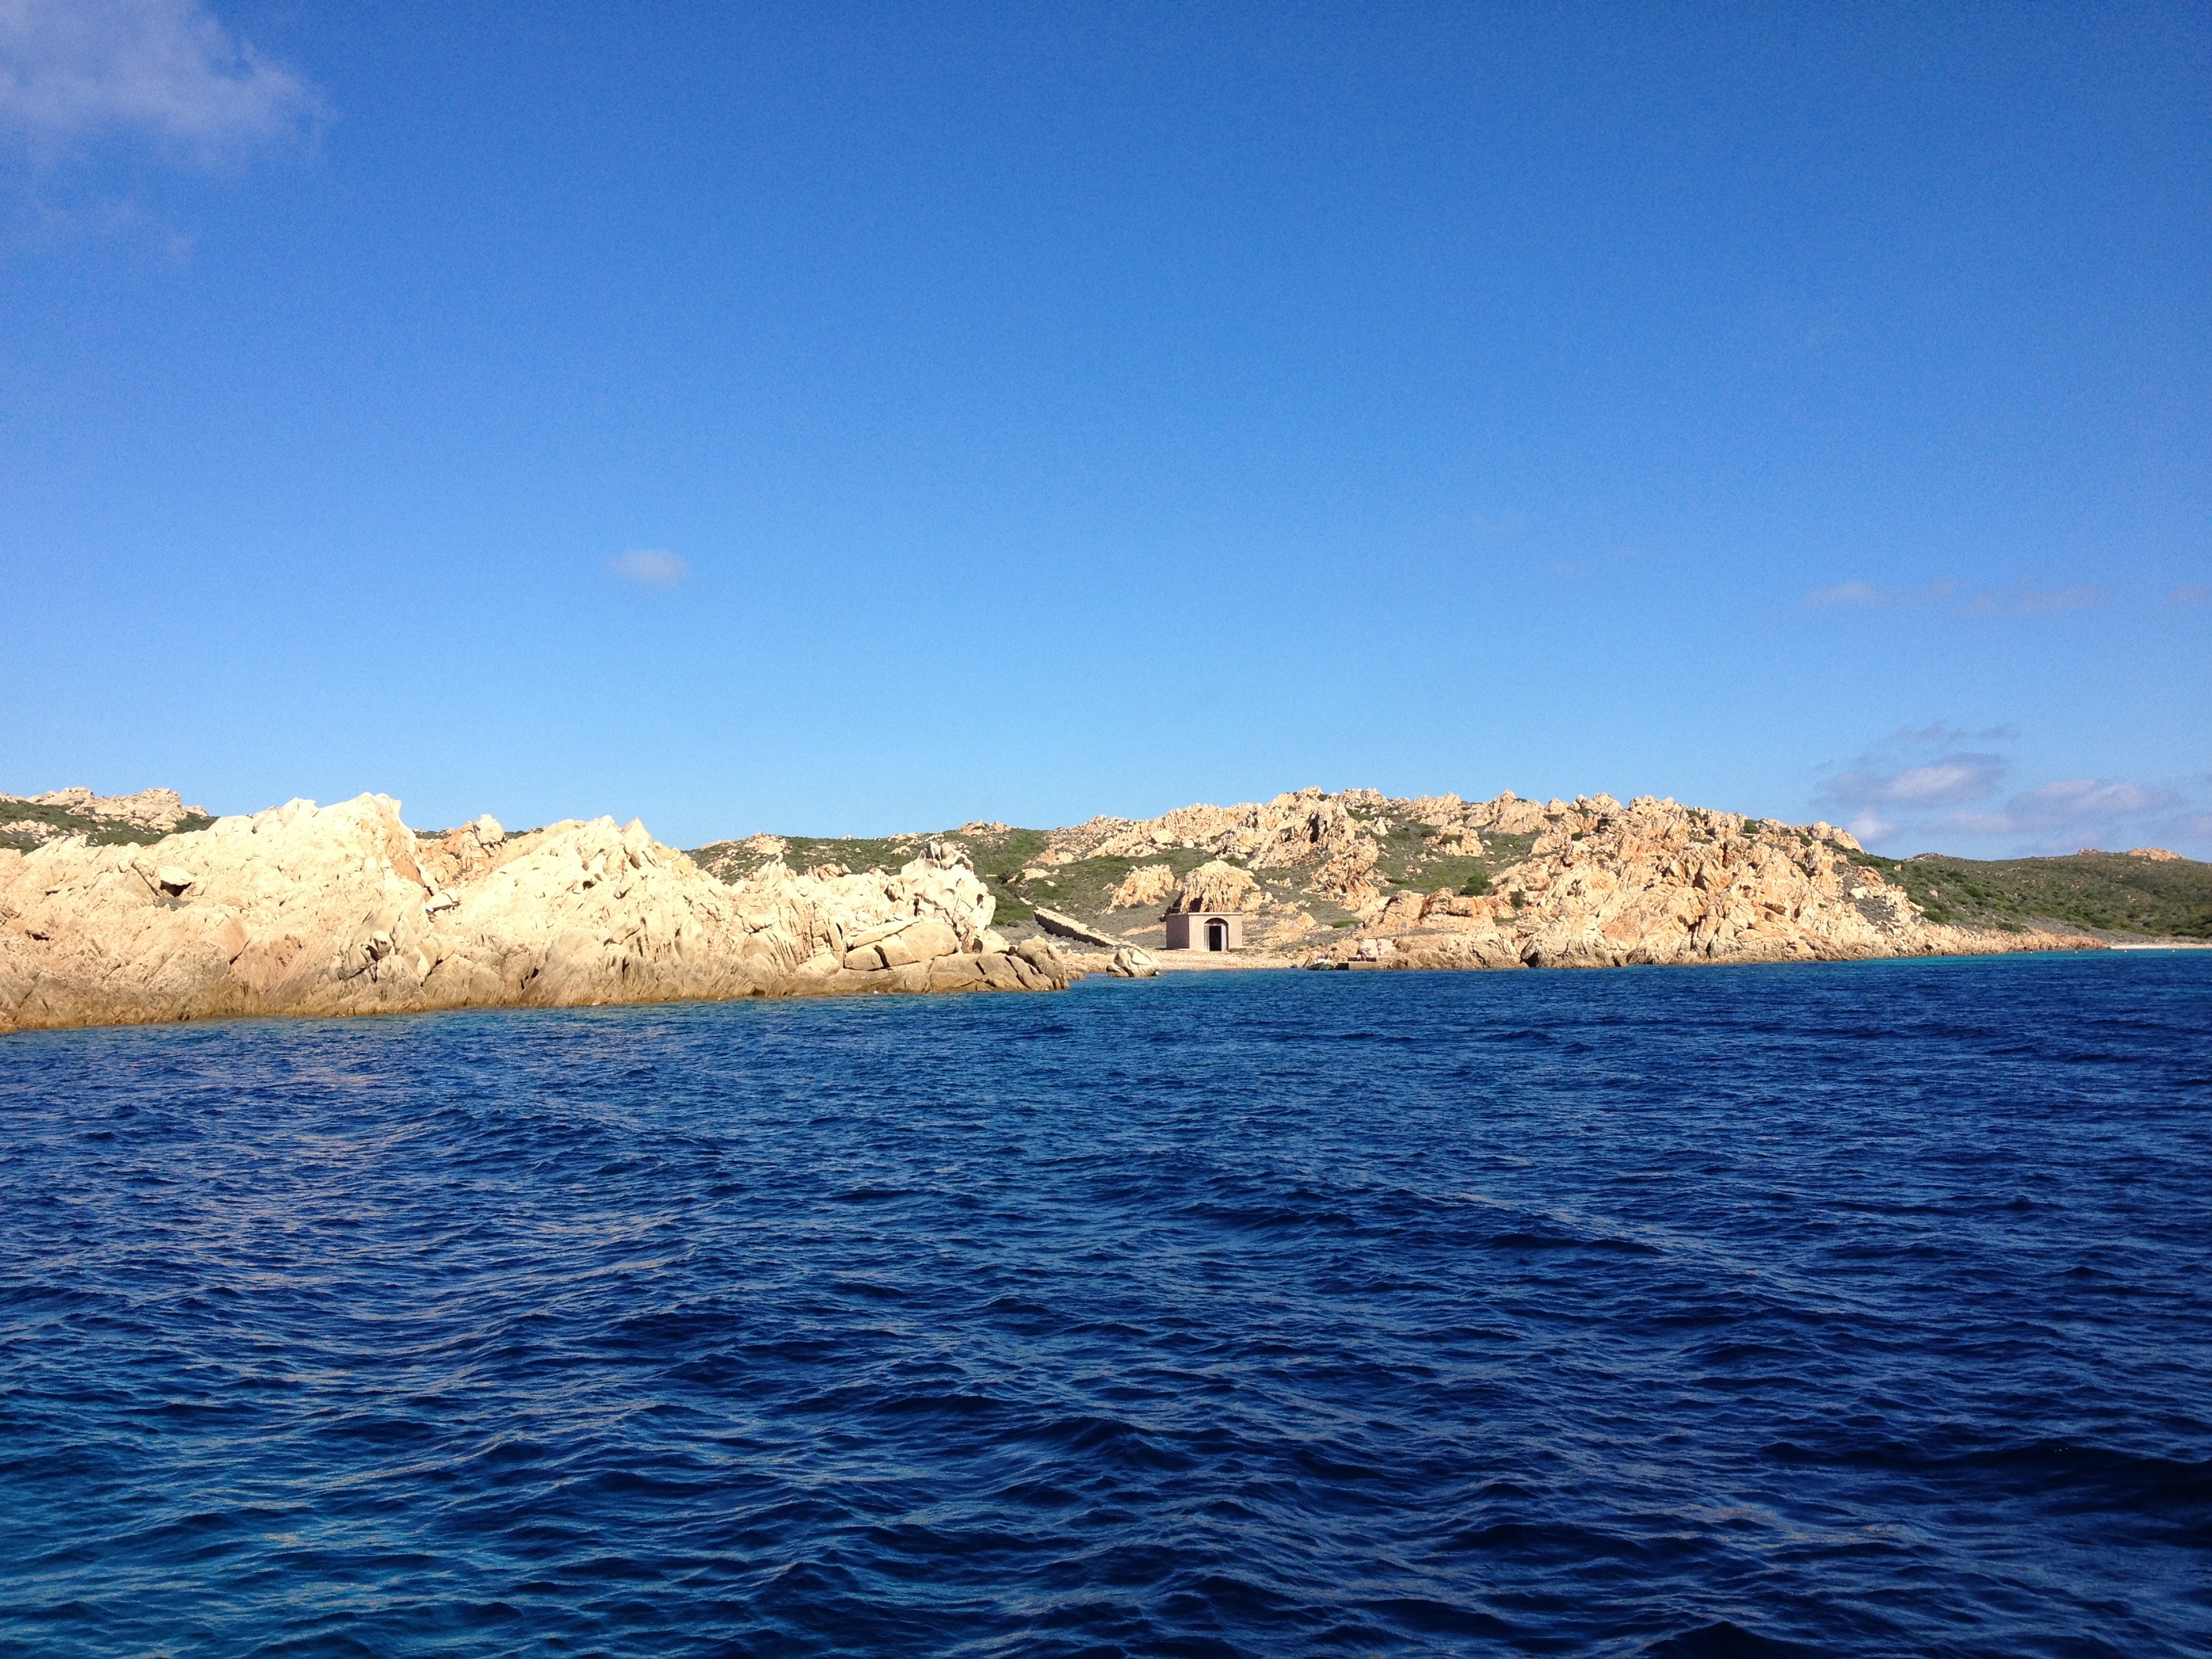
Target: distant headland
{"x": 1434, "y": 881}
{"x": 141, "y": 908}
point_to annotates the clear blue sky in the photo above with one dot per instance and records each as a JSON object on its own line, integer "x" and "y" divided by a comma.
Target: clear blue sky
{"x": 850, "y": 419}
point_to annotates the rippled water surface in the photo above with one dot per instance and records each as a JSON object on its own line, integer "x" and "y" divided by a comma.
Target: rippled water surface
{"x": 1856, "y": 1310}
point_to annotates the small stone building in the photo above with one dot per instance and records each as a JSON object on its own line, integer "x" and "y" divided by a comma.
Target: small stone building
{"x": 1205, "y": 930}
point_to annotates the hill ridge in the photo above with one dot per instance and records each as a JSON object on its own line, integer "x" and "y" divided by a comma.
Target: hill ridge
{"x": 1313, "y": 863}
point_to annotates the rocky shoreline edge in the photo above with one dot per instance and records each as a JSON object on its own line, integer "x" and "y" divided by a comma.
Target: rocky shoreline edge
{"x": 308, "y": 910}
{"x": 320, "y": 910}
{"x": 1590, "y": 883}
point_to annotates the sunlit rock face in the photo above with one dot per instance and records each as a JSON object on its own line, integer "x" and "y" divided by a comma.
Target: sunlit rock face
{"x": 343, "y": 909}
{"x": 1609, "y": 885}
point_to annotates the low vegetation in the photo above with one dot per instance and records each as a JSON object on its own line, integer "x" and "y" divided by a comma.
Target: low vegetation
{"x": 1083, "y": 888}
{"x": 2105, "y": 892}
{"x": 999, "y": 852}
{"x": 54, "y": 823}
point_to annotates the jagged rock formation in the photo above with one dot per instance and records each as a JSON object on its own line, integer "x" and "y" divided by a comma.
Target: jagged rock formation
{"x": 1525, "y": 883}
{"x": 1218, "y": 886}
{"x": 60, "y": 813}
{"x": 1606, "y": 885}
{"x": 149, "y": 809}
{"x": 1302, "y": 828}
{"x": 1146, "y": 886}
{"x": 342, "y": 910}
{"x": 1434, "y": 880}
{"x": 1333, "y": 837}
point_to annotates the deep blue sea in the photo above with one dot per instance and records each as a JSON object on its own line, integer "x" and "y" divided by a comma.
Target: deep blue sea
{"x": 1847, "y": 1310}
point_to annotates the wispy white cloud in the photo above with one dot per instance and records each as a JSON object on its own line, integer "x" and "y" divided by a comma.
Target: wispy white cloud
{"x": 1938, "y": 732}
{"x": 2033, "y": 602}
{"x": 1989, "y": 602}
{"x": 1865, "y": 596}
{"x": 1497, "y": 524}
{"x": 656, "y": 566}
{"x": 1847, "y": 594}
{"x": 1886, "y": 791}
{"x": 2101, "y": 799}
{"x": 2070, "y": 813}
{"x": 2194, "y": 593}
{"x": 1891, "y": 796}
{"x": 1951, "y": 780}
{"x": 164, "y": 71}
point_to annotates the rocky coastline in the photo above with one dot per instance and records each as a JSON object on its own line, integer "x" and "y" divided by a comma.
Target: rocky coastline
{"x": 128, "y": 909}
{"x": 1356, "y": 879}
{"x": 1655, "y": 883}
{"x": 320, "y": 910}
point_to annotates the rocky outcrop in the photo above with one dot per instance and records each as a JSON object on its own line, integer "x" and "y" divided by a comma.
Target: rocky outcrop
{"x": 1218, "y": 886}
{"x": 79, "y": 812}
{"x": 1606, "y": 885}
{"x": 1146, "y": 886}
{"x": 1305, "y": 827}
{"x": 1130, "y": 963}
{"x": 1600, "y": 882}
{"x": 149, "y": 809}
{"x": 2155, "y": 855}
{"x": 343, "y": 909}
{"x": 1348, "y": 879}
{"x": 1302, "y": 831}
{"x": 1506, "y": 881}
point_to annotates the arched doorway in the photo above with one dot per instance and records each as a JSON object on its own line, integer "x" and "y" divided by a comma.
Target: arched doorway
{"x": 1217, "y": 934}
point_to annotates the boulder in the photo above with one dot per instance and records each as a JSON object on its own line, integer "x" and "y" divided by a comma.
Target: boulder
{"x": 958, "y": 972}
{"x": 999, "y": 971}
{"x": 1039, "y": 955}
{"x": 925, "y": 939}
{"x": 1218, "y": 886}
{"x": 1146, "y": 886}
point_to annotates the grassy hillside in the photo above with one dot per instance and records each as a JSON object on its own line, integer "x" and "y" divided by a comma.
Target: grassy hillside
{"x": 2110, "y": 892}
